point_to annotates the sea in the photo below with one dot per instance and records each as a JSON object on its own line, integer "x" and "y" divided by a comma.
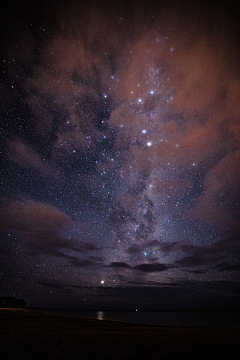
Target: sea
{"x": 228, "y": 318}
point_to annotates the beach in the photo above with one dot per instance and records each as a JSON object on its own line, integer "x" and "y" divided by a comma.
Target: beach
{"x": 33, "y": 335}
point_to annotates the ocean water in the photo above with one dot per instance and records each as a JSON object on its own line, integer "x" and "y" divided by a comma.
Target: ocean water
{"x": 160, "y": 318}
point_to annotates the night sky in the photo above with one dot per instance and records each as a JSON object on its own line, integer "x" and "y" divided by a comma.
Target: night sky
{"x": 120, "y": 154}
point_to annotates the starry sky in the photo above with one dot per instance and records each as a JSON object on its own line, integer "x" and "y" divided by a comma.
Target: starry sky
{"x": 120, "y": 154}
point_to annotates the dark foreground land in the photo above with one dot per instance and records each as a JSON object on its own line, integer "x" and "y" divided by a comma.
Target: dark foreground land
{"x": 32, "y": 335}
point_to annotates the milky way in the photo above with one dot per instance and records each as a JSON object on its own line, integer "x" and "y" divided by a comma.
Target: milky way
{"x": 120, "y": 154}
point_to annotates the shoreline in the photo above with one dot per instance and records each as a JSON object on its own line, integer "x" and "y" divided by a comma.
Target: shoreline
{"x": 133, "y": 310}
{"x": 30, "y": 334}
{"x": 161, "y": 318}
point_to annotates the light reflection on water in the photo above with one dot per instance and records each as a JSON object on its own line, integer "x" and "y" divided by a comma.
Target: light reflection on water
{"x": 100, "y": 315}
{"x": 161, "y": 318}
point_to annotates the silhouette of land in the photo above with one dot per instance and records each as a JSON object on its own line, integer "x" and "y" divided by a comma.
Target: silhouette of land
{"x": 11, "y": 302}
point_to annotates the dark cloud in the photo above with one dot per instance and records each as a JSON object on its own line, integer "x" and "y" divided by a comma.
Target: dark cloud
{"x": 209, "y": 255}
{"x": 145, "y": 268}
{"x": 149, "y": 268}
{"x": 119, "y": 265}
{"x": 195, "y": 260}
{"x": 224, "y": 266}
{"x": 83, "y": 263}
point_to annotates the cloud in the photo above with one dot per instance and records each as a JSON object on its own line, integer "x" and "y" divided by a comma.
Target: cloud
{"x": 30, "y": 215}
{"x": 82, "y": 263}
{"x": 149, "y": 268}
{"x": 134, "y": 249}
{"x": 219, "y": 191}
{"x": 24, "y": 156}
{"x": 208, "y": 256}
{"x": 226, "y": 266}
{"x": 119, "y": 265}
{"x": 145, "y": 268}
{"x": 41, "y": 224}
{"x": 197, "y": 271}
